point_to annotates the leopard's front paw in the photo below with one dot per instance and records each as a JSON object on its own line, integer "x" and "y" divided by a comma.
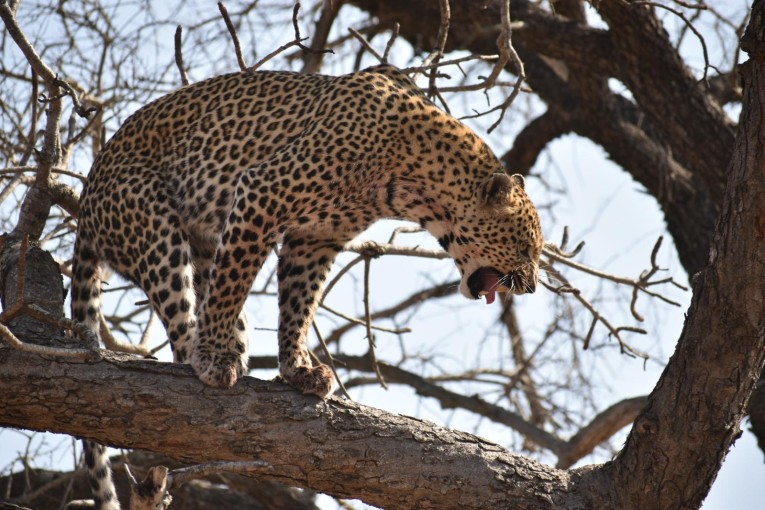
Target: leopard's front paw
{"x": 318, "y": 381}
{"x": 218, "y": 369}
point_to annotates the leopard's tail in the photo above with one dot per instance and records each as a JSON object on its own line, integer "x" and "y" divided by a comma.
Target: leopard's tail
{"x": 100, "y": 476}
{"x": 86, "y": 309}
{"x": 86, "y": 287}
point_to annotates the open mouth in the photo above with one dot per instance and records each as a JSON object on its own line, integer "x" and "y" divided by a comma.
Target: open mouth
{"x": 486, "y": 281}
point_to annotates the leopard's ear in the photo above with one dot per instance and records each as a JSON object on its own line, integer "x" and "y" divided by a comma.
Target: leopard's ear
{"x": 518, "y": 180}
{"x": 496, "y": 190}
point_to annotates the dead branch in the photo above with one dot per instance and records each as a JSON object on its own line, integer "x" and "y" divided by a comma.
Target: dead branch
{"x": 523, "y": 363}
{"x": 367, "y": 45}
{"x": 179, "y": 56}
{"x": 602, "y": 427}
{"x": 642, "y": 283}
{"x": 234, "y": 36}
{"x": 368, "y": 324}
{"x": 312, "y": 60}
{"x": 391, "y": 40}
{"x": 417, "y": 298}
{"x": 438, "y": 52}
{"x": 298, "y": 41}
{"x": 374, "y": 249}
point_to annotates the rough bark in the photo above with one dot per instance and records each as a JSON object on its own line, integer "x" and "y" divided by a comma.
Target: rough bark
{"x": 720, "y": 353}
{"x": 42, "y": 286}
{"x": 337, "y": 447}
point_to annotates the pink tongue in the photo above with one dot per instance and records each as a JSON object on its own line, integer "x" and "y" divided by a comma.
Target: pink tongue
{"x": 490, "y": 282}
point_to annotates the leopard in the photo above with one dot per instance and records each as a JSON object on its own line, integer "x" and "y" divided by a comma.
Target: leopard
{"x": 196, "y": 189}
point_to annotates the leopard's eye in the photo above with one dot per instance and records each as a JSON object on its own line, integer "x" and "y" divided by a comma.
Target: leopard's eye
{"x": 526, "y": 252}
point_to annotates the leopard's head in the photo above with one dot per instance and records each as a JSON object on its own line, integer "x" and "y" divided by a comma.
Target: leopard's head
{"x": 497, "y": 243}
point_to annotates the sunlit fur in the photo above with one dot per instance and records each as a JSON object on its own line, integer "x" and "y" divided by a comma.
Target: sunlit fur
{"x": 196, "y": 189}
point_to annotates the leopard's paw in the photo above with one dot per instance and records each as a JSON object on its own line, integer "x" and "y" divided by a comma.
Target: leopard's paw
{"x": 217, "y": 369}
{"x": 319, "y": 381}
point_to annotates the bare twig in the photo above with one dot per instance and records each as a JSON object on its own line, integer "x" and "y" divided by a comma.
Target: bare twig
{"x": 360, "y": 322}
{"x": 507, "y": 55}
{"x": 368, "y": 320}
{"x": 641, "y": 283}
{"x": 419, "y": 297}
{"x": 33, "y": 124}
{"x": 339, "y": 275}
{"x": 444, "y": 63}
{"x": 312, "y": 59}
{"x": 234, "y": 36}
{"x": 374, "y": 249}
{"x": 367, "y": 45}
{"x": 330, "y": 360}
{"x": 146, "y": 336}
{"x": 567, "y": 288}
{"x": 389, "y": 46}
{"x": 438, "y": 51}
{"x": 56, "y": 170}
{"x": 693, "y": 29}
{"x": 298, "y": 41}
{"x": 179, "y": 56}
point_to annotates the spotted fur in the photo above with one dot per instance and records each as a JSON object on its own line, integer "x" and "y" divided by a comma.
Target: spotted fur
{"x": 196, "y": 188}
{"x": 191, "y": 194}
{"x": 100, "y": 476}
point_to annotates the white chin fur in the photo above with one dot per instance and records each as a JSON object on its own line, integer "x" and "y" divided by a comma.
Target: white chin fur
{"x": 464, "y": 290}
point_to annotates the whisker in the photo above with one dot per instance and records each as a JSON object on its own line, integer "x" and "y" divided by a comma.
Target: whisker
{"x": 552, "y": 279}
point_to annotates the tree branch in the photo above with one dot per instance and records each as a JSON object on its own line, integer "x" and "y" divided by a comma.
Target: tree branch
{"x": 347, "y": 450}
{"x": 532, "y": 140}
{"x": 643, "y": 47}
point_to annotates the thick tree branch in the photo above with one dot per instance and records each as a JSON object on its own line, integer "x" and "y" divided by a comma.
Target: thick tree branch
{"x": 532, "y": 140}
{"x": 602, "y": 427}
{"x": 337, "y": 447}
{"x": 644, "y": 49}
